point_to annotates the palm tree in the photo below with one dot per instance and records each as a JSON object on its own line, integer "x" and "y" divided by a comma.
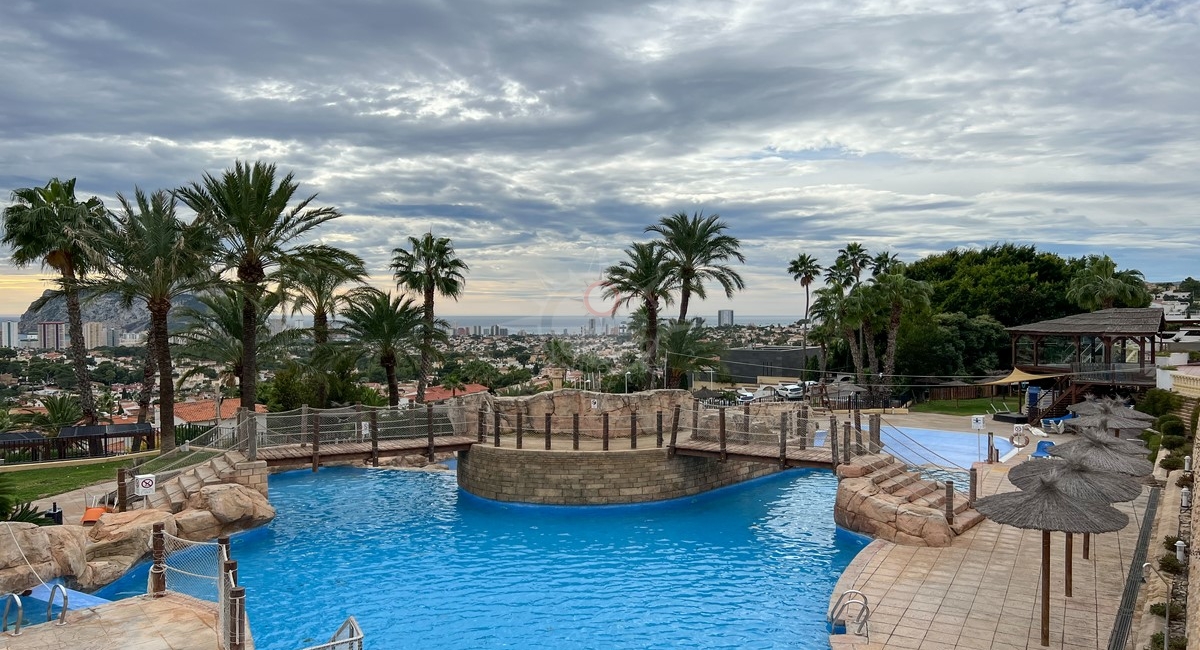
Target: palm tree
{"x": 384, "y": 326}
{"x": 806, "y": 270}
{"x": 559, "y": 353}
{"x": 856, "y": 257}
{"x": 154, "y": 257}
{"x": 643, "y": 278}
{"x": 317, "y": 289}
{"x": 833, "y": 308}
{"x": 687, "y": 350}
{"x": 49, "y": 225}
{"x": 249, "y": 211}
{"x": 214, "y": 333}
{"x": 901, "y": 294}
{"x": 840, "y": 274}
{"x": 430, "y": 268}
{"x": 453, "y": 384}
{"x": 1100, "y": 285}
{"x": 61, "y": 411}
{"x": 697, "y": 251}
{"x": 885, "y": 262}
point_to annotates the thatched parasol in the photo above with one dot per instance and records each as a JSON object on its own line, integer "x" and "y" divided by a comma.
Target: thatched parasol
{"x": 1092, "y": 406}
{"x": 1108, "y": 421}
{"x": 1098, "y": 454}
{"x": 1119, "y": 445}
{"x": 1046, "y": 507}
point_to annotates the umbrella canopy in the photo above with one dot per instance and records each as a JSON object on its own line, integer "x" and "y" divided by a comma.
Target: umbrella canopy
{"x": 1077, "y": 480}
{"x": 1119, "y": 445}
{"x": 1109, "y": 406}
{"x": 1047, "y": 506}
{"x": 1108, "y": 421}
{"x": 1098, "y": 455}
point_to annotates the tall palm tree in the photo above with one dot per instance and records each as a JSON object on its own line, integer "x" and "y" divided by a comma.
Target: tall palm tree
{"x": 1100, "y": 285}
{"x": 154, "y": 257}
{"x": 61, "y": 411}
{"x": 253, "y": 215}
{"x": 687, "y": 350}
{"x": 840, "y": 274}
{"x": 431, "y": 267}
{"x": 833, "y": 308}
{"x": 885, "y": 262}
{"x": 49, "y": 225}
{"x": 806, "y": 270}
{"x": 384, "y": 326}
{"x": 214, "y": 333}
{"x": 642, "y": 279}
{"x": 901, "y": 294}
{"x": 856, "y": 257}
{"x": 318, "y": 290}
{"x": 698, "y": 251}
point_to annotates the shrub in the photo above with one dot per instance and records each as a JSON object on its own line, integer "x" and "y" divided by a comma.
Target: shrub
{"x": 1169, "y": 542}
{"x": 1159, "y": 402}
{"x": 1173, "y": 442}
{"x": 1177, "y": 643}
{"x": 1170, "y": 564}
{"x": 1186, "y": 481}
{"x": 1173, "y": 428}
{"x": 1171, "y": 463}
{"x": 1159, "y": 609}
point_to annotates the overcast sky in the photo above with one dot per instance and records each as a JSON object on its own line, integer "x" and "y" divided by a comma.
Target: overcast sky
{"x": 542, "y": 137}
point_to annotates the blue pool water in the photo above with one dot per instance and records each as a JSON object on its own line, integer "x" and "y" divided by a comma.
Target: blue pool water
{"x": 942, "y": 448}
{"x": 421, "y": 564}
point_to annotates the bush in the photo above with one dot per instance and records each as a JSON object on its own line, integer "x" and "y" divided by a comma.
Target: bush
{"x": 1159, "y": 402}
{"x": 1171, "y": 463}
{"x": 1169, "y": 542}
{"x": 1177, "y": 643}
{"x": 1173, "y": 428}
{"x": 1173, "y": 442}
{"x": 1186, "y": 480}
{"x": 1159, "y": 609}
{"x": 1170, "y": 564}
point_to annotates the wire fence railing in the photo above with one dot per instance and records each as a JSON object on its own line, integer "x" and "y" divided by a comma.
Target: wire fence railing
{"x": 202, "y": 570}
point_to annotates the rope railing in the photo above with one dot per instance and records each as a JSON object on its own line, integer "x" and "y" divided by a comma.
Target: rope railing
{"x": 349, "y": 636}
{"x": 201, "y": 570}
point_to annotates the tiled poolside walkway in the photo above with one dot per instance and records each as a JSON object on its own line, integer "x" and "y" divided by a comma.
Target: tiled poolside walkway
{"x": 174, "y": 622}
{"x": 983, "y": 591}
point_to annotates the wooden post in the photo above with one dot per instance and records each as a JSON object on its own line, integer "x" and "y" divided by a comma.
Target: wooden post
{"x": 547, "y": 431}
{"x": 974, "y": 485}
{"x": 605, "y": 434}
{"x": 857, "y": 420}
{"x": 876, "y": 426}
{"x": 802, "y": 426}
{"x": 158, "y": 572}
{"x": 358, "y": 422}
{"x": 237, "y": 618}
{"x": 783, "y": 421}
{"x": 674, "y": 431}
{"x": 846, "y": 453}
{"x": 633, "y": 430}
{"x": 223, "y": 543}
{"x": 429, "y": 429}
{"x": 1087, "y": 545}
{"x": 991, "y": 445}
{"x": 303, "y": 424}
{"x": 658, "y": 430}
{"x": 122, "y": 489}
{"x": 695, "y": 415}
{"x": 833, "y": 441}
{"x": 375, "y": 438}
{"x": 316, "y": 442}
{"x": 721, "y": 432}
{"x": 1067, "y": 567}
{"x": 482, "y": 425}
{"x": 575, "y": 431}
{"x": 229, "y": 566}
{"x": 950, "y": 502}
{"x": 859, "y": 446}
{"x": 520, "y": 429}
{"x": 746, "y": 430}
{"x": 250, "y": 429}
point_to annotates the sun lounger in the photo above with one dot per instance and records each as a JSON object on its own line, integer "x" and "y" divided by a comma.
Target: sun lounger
{"x": 1042, "y": 450}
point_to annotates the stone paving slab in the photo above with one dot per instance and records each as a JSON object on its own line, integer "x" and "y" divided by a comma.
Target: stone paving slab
{"x": 983, "y": 591}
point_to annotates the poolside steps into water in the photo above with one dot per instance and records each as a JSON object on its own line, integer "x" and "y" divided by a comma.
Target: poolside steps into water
{"x": 893, "y": 477}
{"x": 172, "y": 494}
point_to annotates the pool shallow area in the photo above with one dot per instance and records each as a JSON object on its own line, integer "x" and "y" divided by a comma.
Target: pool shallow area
{"x": 422, "y": 564}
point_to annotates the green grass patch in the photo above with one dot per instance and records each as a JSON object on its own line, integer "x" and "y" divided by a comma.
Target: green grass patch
{"x": 36, "y": 483}
{"x": 978, "y": 406}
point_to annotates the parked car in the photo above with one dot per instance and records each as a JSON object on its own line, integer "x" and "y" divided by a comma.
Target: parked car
{"x": 745, "y": 396}
{"x": 790, "y": 391}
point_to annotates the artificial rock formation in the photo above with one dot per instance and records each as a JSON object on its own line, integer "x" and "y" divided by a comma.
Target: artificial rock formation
{"x": 97, "y": 555}
{"x": 864, "y": 507}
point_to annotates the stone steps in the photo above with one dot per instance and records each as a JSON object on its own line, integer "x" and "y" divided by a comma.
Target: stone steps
{"x": 894, "y": 478}
{"x": 173, "y": 494}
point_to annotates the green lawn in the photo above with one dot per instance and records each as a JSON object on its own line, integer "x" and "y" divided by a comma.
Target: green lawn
{"x": 978, "y": 406}
{"x": 36, "y": 483}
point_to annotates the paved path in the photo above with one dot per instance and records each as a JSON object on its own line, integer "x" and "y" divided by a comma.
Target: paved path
{"x": 982, "y": 592}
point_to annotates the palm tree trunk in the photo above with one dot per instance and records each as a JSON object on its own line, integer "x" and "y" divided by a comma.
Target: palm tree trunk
{"x": 148, "y": 373}
{"x": 78, "y": 352}
{"x": 872, "y": 359}
{"x": 807, "y": 304}
{"x": 684, "y": 298}
{"x": 166, "y": 383}
{"x": 426, "y": 345}
{"x": 889, "y": 354}
{"x": 249, "y": 375}
{"x": 651, "y": 346}
{"x": 389, "y": 369}
{"x": 855, "y": 354}
{"x": 320, "y": 339}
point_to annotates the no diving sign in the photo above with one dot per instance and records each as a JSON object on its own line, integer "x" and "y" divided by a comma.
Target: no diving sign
{"x": 143, "y": 485}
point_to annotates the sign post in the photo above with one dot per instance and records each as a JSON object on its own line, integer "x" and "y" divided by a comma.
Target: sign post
{"x": 977, "y": 423}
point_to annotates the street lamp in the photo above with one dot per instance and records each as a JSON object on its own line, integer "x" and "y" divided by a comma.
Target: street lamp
{"x": 626, "y": 381}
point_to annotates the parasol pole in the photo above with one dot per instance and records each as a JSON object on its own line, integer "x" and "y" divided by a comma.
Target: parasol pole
{"x": 1070, "y": 549}
{"x": 1045, "y": 587}
{"x": 1087, "y": 544}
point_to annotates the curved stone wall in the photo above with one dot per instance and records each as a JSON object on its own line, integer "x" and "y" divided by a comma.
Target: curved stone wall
{"x": 595, "y": 477}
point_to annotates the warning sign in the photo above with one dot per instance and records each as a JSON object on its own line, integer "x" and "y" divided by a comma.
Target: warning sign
{"x": 977, "y": 422}
{"x": 143, "y": 485}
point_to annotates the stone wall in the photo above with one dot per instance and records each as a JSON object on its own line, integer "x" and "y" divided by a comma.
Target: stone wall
{"x": 595, "y": 477}
{"x": 252, "y": 474}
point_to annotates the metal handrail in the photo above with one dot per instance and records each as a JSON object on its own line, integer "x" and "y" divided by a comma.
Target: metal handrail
{"x": 861, "y": 627}
{"x": 349, "y": 636}
{"x": 8, "y": 601}
{"x": 62, "y": 616}
{"x": 837, "y": 605}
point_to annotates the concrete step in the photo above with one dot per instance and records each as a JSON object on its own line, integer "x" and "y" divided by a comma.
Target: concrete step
{"x": 233, "y": 457}
{"x": 189, "y": 482}
{"x": 159, "y": 500}
{"x": 916, "y": 490}
{"x": 205, "y": 473}
{"x": 897, "y": 482}
{"x": 966, "y": 520}
{"x": 884, "y": 473}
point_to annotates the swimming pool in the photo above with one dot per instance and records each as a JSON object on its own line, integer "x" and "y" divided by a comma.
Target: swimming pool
{"x": 941, "y": 448}
{"x": 422, "y": 564}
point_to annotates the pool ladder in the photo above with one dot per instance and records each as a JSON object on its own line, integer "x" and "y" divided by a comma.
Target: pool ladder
{"x": 839, "y": 623}
{"x": 14, "y": 598}
{"x": 62, "y": 614}
{"x": 8, "y": 601}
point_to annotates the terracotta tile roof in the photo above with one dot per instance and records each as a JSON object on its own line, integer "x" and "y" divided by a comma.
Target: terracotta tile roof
{"x": 204, "y": 410}
{"x": 439, "y": 394}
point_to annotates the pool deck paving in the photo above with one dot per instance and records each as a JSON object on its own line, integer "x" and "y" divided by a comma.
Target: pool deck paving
{"x": 173, "y": 622}
{"x": 983, "y": 591}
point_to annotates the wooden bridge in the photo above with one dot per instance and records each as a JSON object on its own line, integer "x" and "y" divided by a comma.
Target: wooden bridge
{"x": 758, "y": 453}
{"x": 304, "y": 454}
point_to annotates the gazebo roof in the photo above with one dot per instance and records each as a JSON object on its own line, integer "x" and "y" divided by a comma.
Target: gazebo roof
{"x": 1117, "y": 321}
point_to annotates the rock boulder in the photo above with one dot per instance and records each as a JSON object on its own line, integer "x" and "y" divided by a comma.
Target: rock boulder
{"x": 234, "y": 507}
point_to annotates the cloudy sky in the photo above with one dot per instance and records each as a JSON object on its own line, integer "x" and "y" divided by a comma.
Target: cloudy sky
{"x": 542, "y": 137}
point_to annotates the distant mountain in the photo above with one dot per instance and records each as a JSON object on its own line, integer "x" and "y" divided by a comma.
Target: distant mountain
{"x": 104, "y": 308}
